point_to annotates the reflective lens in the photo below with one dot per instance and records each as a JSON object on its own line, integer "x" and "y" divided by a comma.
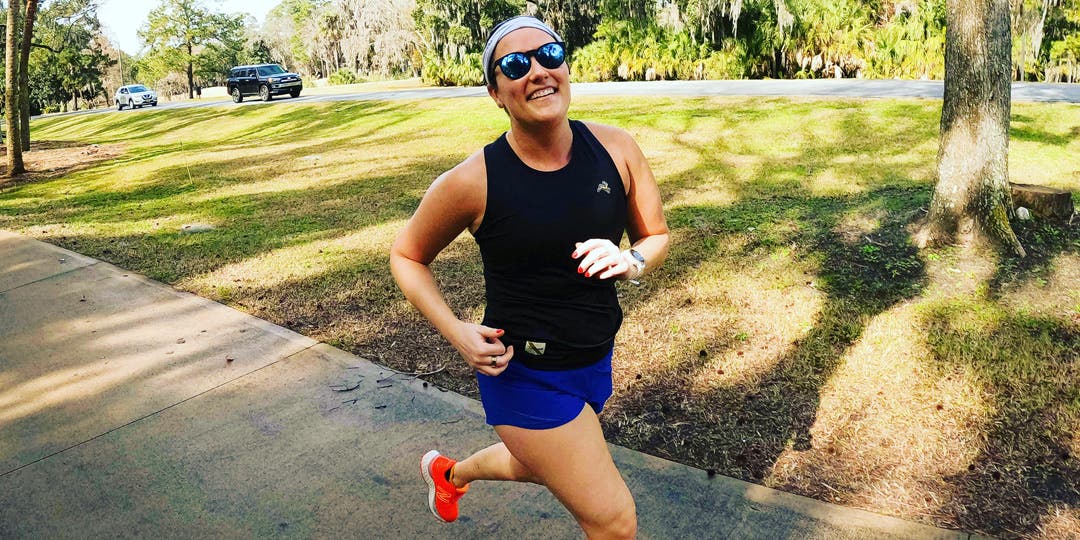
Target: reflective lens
{"x": 517, "y": 64}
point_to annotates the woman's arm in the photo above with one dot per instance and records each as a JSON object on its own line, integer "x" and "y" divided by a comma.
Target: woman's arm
{"x": 646, "y": 226}
{"x": 453, "y": 203}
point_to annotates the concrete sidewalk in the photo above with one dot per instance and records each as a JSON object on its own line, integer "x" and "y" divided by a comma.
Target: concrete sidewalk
{"x": 129, "y": 409}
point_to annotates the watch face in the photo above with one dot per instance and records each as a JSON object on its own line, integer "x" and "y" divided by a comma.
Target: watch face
{"x": 636, "y": 255}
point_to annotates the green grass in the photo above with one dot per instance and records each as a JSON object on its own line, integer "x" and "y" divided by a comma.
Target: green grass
{"x": 794, "y": 338}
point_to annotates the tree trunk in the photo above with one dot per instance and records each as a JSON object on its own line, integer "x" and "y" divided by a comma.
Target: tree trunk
{"x": 190, "y": 75}
{"x": 11, "y": 91}
{"x": 24, "y": 72}
{"x": 971, "y": 198}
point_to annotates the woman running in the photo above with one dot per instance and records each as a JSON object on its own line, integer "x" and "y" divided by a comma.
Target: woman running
{"x": 548, "y": 203}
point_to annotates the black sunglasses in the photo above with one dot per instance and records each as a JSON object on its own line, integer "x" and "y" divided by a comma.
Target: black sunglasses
{"x": 517, "y": 64}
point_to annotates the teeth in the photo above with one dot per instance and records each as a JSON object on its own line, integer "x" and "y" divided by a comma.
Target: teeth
{"x": 542, "y": 93}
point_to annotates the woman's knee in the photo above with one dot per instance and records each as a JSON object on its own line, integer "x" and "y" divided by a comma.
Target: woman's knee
{"x": 619, "y": 524}
{"x": 625, "y": 526}
{"x": 522, "y": 473}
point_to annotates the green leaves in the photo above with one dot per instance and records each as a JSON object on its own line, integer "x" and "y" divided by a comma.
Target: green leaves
{"x": 70, "y": 60}
{"x": 185, "y": 36}
{"x": 453, "y": 31}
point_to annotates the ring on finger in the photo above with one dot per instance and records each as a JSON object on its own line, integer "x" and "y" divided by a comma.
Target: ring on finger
{"x": 494, "y": 361}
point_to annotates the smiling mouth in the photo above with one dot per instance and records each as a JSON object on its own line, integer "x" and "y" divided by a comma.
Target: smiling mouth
{"x": 542, "y": 93}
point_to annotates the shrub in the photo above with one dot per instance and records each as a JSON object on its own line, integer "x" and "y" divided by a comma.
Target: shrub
{"x": 440, "y": 71}
{"x": 344, "y": 76}
{"x": 626, "y": 50}
{"x": 910, "y": 46}
{"x": 729, "y": 63}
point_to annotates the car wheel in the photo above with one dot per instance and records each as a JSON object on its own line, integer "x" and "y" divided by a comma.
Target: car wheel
{"x": 131, "y": 104}
{"x": 237, "y": 97}
{"x": 264, "y": 93}
{"x": 119, "y": 107}
{"x": 294, "y": 93}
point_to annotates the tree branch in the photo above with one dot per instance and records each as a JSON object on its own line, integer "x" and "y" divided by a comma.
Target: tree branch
{"x": 46, "y": 47}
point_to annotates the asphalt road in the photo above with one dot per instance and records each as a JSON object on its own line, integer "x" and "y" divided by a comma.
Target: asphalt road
{"x": 824, "y": 88}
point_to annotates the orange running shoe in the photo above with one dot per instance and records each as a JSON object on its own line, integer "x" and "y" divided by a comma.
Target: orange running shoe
{"x": 442, "y": 494}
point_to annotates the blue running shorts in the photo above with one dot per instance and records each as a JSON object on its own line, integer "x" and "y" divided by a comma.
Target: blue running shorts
{"x": 536, "y": 399}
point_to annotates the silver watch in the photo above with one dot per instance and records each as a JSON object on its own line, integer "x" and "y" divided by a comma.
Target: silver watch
{"x": 637, "y": 259}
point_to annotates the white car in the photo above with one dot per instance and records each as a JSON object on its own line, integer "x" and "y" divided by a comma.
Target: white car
{"x": 134, "y": 96}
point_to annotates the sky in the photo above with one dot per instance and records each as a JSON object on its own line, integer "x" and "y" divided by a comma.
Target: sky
{"x": 122, "y": 18}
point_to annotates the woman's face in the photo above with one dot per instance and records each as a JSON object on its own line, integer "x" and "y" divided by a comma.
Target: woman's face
{"x": 542, "y": 95}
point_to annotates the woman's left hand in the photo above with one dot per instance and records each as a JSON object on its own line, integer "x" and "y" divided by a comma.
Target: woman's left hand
{"x": 602, "y": 259}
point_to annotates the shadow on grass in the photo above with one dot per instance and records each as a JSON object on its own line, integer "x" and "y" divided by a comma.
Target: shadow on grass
{"x": 269, "y": 221}
{"x": 1029, "y": 371}
{"x": 1034, "y": 134}
{"x": 1026, "y": 128}
{"x": 48, "y": 145}
{"x": 1028, "y": 368}
{"x": 298, "y": 122}
{"x": 128, "y": 127}
{"x": 741, "y": 430}
{"x": 1044, "y": 241}
{"x": 289, "y": 122}
{"x": 357, "y": 306}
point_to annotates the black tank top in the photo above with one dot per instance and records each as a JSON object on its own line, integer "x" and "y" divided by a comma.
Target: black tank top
{"x": 556, "y": 318}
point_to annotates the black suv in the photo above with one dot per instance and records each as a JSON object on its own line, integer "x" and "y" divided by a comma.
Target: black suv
{"x": 264, "y": 80}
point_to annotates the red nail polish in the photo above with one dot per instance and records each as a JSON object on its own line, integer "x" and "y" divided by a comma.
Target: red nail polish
{"x": 588, "y": 274}
{"x": 579, "y": 270}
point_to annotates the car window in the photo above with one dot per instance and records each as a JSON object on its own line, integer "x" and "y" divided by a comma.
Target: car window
{"x": 123, "y": 90}
{"x": 139, "y": 89}
{"x": 272, "y": 69}
{"x": 249, "y": 73}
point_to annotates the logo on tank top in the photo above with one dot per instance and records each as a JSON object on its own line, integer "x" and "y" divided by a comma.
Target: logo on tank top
{"x": 535, "y": 348}
{"x": 602, "y": 186}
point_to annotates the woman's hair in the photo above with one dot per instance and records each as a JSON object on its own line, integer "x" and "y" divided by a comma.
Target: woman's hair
{"x": 500, "y": 31}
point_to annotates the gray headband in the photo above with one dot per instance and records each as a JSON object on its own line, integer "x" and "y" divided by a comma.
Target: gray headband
{"x": 504, "y": 28}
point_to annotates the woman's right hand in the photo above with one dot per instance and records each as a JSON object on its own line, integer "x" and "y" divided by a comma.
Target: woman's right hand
{"x": 481, "y": 348}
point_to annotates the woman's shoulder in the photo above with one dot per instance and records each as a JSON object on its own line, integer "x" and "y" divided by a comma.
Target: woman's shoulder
{"x": 617, "y": 141}
{"x": 466, "y": 176}
{"x": 613, "y": 138}
{"x": 458, "y": 195}
{"x": 599, "y": 129}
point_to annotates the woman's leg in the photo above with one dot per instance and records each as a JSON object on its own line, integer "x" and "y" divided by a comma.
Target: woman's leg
{"x": 492, "y": 463}
{"x": 574, "y": 463}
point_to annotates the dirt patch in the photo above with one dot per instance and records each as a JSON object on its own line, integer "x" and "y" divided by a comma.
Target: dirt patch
{"x": 52, "y": 159}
